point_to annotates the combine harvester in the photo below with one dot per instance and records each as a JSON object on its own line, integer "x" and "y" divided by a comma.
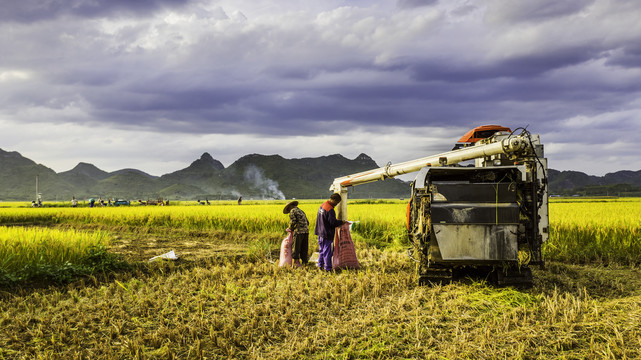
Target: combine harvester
{"x": 485, "y": 219}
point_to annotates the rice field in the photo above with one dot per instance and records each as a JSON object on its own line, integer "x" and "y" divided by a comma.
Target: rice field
{"x": 581, "y": 231}
{"x": 258, "y": 217}
{"x": 37, "y": 254}
{"x": 226, "y": 298}
{"x": 599, "y": 231}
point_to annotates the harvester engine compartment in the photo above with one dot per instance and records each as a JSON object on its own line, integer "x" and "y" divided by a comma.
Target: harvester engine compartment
{"x": 474, "y": 220}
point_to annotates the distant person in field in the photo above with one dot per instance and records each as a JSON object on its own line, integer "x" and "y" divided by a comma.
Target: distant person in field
{"x": 299, "y": 225}
{"x": 326, "y": 224}
{"x": 74, "y": 202}
{"x": 240, "y": 200}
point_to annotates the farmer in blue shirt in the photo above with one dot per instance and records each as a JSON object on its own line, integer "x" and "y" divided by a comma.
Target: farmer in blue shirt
{"x": 326, "y": 224}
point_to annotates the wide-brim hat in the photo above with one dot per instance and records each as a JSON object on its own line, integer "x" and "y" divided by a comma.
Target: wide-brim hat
{"x": 290, "y": 205}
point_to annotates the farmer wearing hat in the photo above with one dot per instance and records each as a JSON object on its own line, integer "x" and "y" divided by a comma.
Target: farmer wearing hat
{"x": 299, "y": 225}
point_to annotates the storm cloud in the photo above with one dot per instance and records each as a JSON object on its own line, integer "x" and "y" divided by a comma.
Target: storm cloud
{"x": 153, "y": 84}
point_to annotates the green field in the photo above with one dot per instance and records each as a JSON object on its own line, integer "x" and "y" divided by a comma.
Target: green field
{"x": 76, "y": 283}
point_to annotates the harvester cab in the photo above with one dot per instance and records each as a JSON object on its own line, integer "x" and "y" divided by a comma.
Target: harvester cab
{"x": 488, "y": 220}
{"x": 479, "y": 133}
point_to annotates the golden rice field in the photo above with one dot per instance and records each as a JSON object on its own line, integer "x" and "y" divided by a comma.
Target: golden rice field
{"x": 75, "y": 283}
{"x": 32, "y": 253}
{"x": 604, "y": 231}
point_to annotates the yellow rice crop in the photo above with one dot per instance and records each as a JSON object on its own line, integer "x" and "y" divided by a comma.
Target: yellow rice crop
{"x": 603, "y": 231}
{"x": 33, "y": 252}
{"x": 266, "y": 217}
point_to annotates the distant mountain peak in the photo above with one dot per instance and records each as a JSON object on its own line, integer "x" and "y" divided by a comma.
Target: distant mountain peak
{"x": 82, "y": 165}
{"x": 206, "y": 157}
{"x": 363, "y": 157}
{"x": 206, "y": 160}
{"x": 10, "y": 154}
{"x": 366, "y": 160}
{"x": 89, "y": 170}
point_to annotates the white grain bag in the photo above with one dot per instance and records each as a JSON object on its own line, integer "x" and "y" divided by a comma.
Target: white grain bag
{"x": 286, "y": 250}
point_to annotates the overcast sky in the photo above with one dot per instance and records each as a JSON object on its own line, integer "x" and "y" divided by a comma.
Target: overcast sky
{"x": 153, "y": 84}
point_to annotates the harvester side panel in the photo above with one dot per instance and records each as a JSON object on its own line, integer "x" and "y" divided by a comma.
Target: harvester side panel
{"x": 471, "y": 243}
{"x": 475, "y": 214}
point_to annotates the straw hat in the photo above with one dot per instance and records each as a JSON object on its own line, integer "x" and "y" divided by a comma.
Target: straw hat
{"x": 290, "y": 205}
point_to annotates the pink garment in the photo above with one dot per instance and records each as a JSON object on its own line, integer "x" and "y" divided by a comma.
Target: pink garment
{"x": 344, "y": 251}
{"x": 286, "y": 250}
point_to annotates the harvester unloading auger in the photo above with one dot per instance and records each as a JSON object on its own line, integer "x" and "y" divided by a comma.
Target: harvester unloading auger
{"x": 489, "y": 218}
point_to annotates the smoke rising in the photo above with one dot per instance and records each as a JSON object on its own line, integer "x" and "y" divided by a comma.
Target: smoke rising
{"x": 267, "y": 188}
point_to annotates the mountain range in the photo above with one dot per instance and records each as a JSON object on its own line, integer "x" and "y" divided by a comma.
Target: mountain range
{"x": 252, "y": 176}
{"x": 619, "y": 183}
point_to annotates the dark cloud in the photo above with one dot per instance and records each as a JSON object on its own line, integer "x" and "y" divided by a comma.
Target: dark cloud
{"x": 526, "y": 66}
{"x": 410, "y": 4}
{"x": 464, "y": 9}
{"x": 293, "y": 73}
{"x": 28, "y": 11}
{"x": 629, "y": 56}
{"x": 508, "y": 11}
